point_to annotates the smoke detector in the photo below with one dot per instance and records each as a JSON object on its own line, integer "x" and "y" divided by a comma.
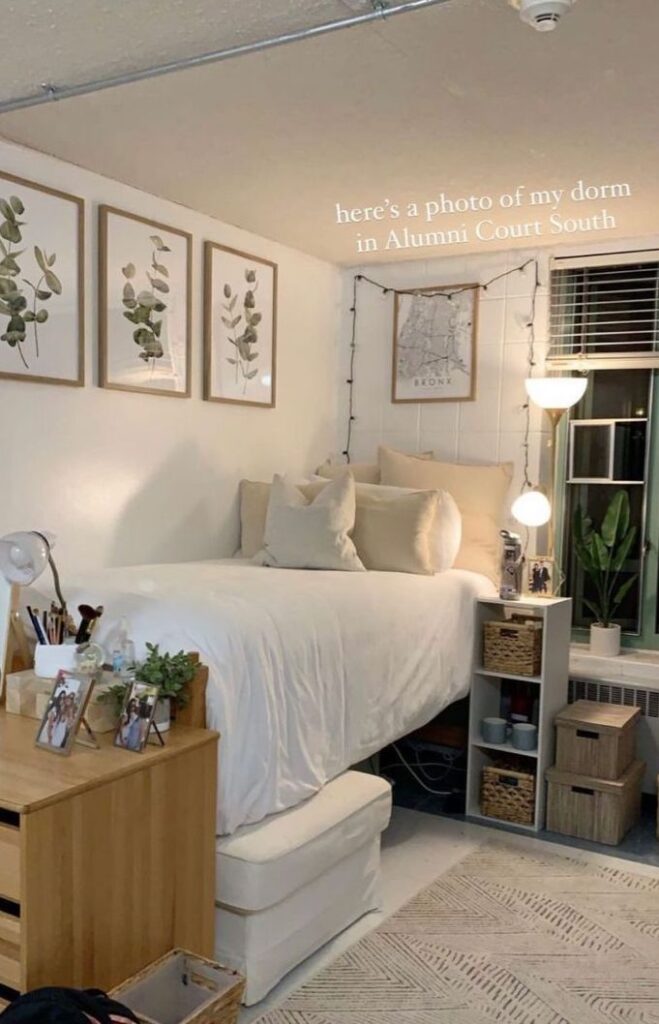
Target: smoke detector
{"x": 543, "y": 15}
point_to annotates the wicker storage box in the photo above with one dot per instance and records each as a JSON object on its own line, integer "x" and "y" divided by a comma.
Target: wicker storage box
{"x": 512, "y": 647}
{"x": 508, "y": 794}
{"x": 183, "y": 988}
{"x": 596, "y": 739}
{"x": 602, "y": 810}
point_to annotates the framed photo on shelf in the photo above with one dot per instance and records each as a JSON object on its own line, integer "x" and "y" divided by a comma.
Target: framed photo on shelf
{"x": 434, "y": 345}
{"x": 42, "y": 305}
{"x": 540, "y": 579}
{"x": 145, "y": 284}
{"x": 136, "y": 716}
{"x": 240, "y": 327}
{"x": 64, "y": 712}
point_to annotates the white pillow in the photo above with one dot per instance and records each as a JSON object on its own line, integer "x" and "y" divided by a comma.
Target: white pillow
{"x": 303, "y": 535}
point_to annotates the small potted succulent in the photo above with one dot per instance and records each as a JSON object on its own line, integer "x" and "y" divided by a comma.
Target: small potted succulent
{"x": 603, "y": 554}
{"x": 173, "y": 673}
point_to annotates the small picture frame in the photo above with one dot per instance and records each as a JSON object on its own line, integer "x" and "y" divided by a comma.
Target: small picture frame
{"x": 136, "y": 716}
{"x": 64, "y": 712}
{"x": 539, "y": 576}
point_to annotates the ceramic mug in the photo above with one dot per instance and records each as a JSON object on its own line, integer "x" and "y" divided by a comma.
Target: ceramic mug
{"x": 525, "y": 736}
{"x": 494, "y": 730}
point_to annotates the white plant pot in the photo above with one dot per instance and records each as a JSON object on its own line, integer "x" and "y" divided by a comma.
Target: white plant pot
{"x": 605, "y": 641}
{"x": 163, "y": 715}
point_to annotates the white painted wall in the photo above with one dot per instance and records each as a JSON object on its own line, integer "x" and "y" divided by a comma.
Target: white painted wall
{"x": 489, "y": 429}
{"x": 129, "y": 478}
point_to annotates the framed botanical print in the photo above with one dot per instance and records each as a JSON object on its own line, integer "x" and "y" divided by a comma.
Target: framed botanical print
{"x": 240, "y": 325}
{"x": 41, "y": 283}
{"x": 434, "y": 349}
{"x": 145, "y": 278}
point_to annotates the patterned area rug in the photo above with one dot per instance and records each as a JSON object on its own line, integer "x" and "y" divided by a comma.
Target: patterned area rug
{"x": 505, "y": 935}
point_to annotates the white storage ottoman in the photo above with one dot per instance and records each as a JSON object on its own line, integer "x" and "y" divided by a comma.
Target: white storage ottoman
{"x": 288, "y": 884}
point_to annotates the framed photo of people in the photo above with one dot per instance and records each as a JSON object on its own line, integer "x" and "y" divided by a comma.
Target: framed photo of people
{"x": 64, "y": 712}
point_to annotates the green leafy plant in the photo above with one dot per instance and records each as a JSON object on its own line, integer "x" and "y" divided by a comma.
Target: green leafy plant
{"x": 143, "y": 307}
{"x": 603, "y": 555}
{"x": 14, "y": 304}
{"x": 171, "y": 672}
{"x": 247, "y": 322}
{"x": 114, "y": 695}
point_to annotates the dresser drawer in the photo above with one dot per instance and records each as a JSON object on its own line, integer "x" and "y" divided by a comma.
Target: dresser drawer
{"x": 10, "y": 862}
{"x": 10, "y": 950}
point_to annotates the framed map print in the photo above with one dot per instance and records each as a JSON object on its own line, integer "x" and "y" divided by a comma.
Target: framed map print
{"x": 41, "y": 283}
{"x": 240, "y": 326}
{"x": 145, "y": 274}
{"x": 434, "y": 349}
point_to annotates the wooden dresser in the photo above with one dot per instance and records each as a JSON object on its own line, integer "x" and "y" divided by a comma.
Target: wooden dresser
{"x": 107, "y": 858}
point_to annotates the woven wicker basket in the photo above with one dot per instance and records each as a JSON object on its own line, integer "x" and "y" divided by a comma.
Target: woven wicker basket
{"x": 185, "y": 988}
{"x": 513, "y": 647}
{"x": 508, "y": 794}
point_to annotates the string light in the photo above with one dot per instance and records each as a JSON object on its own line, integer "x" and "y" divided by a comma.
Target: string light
{"x": 448, "y": 296}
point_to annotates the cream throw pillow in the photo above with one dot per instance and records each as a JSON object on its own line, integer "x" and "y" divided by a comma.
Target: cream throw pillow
{"x": 362, "y": 472}
{"x": 311, "y": 535}
{"x": 254, "y": 498}
{"x": 479, "y": 491}
{"x": 392, "y": 534}
{"x": 444, "y": 531}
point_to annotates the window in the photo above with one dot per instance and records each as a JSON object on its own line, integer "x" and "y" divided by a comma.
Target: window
{"x": 608, "y": 451}
{"x": 605, "y": 315}
{"x": 605, "y": 320}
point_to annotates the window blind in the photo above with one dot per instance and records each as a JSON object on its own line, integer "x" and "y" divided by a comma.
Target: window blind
{"x": 604, "y": 312}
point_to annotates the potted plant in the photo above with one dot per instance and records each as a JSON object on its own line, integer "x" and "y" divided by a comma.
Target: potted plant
{"x": 171, "y": 672}
{"x": 603, "y": 555}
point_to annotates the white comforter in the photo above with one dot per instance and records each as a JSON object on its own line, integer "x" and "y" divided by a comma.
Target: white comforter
{"x": 310, "y": 672}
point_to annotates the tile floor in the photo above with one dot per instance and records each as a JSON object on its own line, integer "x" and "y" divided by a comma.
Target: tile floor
{"x": 416, "y": 848}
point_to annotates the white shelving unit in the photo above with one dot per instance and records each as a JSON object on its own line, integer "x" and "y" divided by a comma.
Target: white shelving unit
{"x": 552, "y": 687}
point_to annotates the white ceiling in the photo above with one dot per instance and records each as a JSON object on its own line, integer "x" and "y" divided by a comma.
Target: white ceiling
{"x": 460, "y": 98}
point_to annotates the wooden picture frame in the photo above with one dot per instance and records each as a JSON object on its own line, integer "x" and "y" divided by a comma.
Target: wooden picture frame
{"x": 46, "y": 227}
{"x": 137, "y": 716}
{"x": 433, "y": 329}
{"x": 64, "y": 712}
{"x": 228, "y": 276}
{"x": 138, "y": 258}
{"x": 539, "y": 576}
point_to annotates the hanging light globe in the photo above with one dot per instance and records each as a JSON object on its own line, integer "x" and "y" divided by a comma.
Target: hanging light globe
{"x": 532, "y": 509}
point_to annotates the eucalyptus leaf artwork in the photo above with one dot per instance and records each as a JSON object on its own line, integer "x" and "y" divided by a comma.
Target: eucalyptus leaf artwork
{"x": 40, "y": 304}
{"x": 245, "y": 321}
{"x": 239, "y": 335}
{"x": 144, "y": 307}
{"x": 144, "y": 321}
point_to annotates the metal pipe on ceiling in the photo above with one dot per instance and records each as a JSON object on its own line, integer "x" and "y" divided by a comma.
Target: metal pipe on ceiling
{"x": 50, "y": 92}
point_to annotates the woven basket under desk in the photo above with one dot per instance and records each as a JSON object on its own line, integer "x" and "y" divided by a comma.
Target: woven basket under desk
{"x": 508, "y": 794}
{"x": 512, "y": 647}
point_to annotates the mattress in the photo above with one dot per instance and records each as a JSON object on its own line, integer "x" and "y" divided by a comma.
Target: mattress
{"x": 310, "y": 672}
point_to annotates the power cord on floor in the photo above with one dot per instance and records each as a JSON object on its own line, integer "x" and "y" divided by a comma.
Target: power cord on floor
{"x": 417, "y": 778}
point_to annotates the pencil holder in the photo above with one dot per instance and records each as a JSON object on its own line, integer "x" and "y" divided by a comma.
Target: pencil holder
{"x": 49, "y": 659}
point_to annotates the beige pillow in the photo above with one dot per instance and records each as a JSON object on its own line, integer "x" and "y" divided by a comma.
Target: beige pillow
{"x": 480, "y": 493}
{"x": 362, "y": 472}
{"x": 302, "y": 534}
{"x": 254, "y": 498}
{"x": 393, "y": 534}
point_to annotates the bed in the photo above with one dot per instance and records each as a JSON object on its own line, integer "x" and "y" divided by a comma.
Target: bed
{"x": 310, "y": 671}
